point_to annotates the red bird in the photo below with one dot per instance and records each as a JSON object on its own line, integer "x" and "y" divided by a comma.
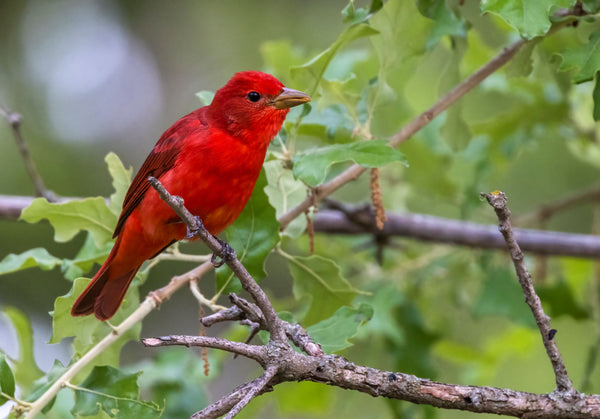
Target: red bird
{"x": 211, "y": 158}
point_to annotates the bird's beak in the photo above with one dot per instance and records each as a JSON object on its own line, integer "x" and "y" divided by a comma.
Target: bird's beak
{"x": 288, "y": 98}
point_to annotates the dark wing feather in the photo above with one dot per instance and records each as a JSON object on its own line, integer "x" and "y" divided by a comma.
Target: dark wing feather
{"x": 161, "y": 159}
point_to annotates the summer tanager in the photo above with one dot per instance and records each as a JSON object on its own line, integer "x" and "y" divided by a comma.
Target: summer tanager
{"x": 211, "y": 158}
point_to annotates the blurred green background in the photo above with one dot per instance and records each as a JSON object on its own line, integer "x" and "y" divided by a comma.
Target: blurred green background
{"x": 97, "y": 76}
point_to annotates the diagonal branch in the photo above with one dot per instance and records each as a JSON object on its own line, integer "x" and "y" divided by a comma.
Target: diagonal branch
{"x": 195, "y": 225}
{"x": 498, "y": 201}
{"x": 355, "y": 171}
{"x": 14, "y": 119}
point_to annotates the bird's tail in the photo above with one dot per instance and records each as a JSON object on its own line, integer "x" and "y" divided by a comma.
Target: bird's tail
{"x": 104, "y": 294}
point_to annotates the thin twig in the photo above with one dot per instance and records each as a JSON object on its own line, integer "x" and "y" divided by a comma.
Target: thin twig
{"x": 249, "y": 351}
{"x": 14, "y": 119}
{"x": 547, "y": 211}
{"x": 498, "y": 201}
{"x": 257, "y": 387}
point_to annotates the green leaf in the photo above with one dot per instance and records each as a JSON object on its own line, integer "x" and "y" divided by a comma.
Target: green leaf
{"x": 253, "y": 235}
{"x": 311, "y": 166}
{"x": 206, "y": 97}
{"x": 279, "y": 56}
{"x": 591, "y": 6}
{"x": 37, "y": 257}
{"x": 88, "y": 330}
{"x": 309, "y": 75}
{"x": 354, "y": 15}
{"x": 69, "y": 218}
{"x": 25, "y": 368}
{"x": 121, "y": 178}
{"x": 503, "y": 296}
{"x": 446, "y": 23}
{"x": 333, "y": 333}
{"x": 116, "y": 392}
{"x": 7, "y": 379}
{"x": 285, "y": 192}
{"x": 176, "y": 376}
{"x": 585, "y": 60}
{"x": 85, "y": 259}
{"x": 561, "y": 302}
{"x": 521, "y": 65}
{"x": 319, "y": 281}
{"x": 530, "y": 18}
{"x": 45, "y": 382}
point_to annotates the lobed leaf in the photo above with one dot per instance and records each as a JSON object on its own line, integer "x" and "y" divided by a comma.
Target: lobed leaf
{"x": 88, "y": 330}
{"x": 7, "y": 379}
{"x": 585, "y": 60}
{"x": 116, "y": 392}
{"x": 36, "y": 257}
{"x": 284, "y": 193}
{"x": 253, "y": 235}
{"x": 311, "y": 166}
{"x": 121, "y": 178}
{"x": 26, "y": 370}
{"x": 69, "y": 218}
{"x": 530, "y": 18}
{"x": 333, "y": 333}
{"x": 320, "y": 282}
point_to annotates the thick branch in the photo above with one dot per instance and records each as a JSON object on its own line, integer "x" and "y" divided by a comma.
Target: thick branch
{"x": 498, "y": 201}
{"x": 464, "y": 233}
{"x": 420, "y": 227}
{"x": 336, "y": 371}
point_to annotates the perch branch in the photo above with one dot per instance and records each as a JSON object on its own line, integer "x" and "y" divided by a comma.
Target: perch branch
{"x": 498, "y": 201}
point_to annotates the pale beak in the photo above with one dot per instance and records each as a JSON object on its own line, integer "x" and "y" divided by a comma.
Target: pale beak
{"x": 288, "y": 98}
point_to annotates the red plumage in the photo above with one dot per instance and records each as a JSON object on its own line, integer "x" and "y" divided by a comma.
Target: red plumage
{"x": 211, "y": 158}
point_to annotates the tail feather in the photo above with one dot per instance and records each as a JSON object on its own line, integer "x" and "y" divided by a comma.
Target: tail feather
{"x": 112, "y": 294}
{"x": 104, "y": 294}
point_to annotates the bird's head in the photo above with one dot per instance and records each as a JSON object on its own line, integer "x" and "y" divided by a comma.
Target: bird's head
{"x": 253, "y": 105}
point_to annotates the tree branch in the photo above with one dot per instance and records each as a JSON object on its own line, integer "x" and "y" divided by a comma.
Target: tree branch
{"x": 14, "y": 119}
{"x": 498, "y": 201}
{"x": 336, "y": 371}
{"x": 359, "y": 220}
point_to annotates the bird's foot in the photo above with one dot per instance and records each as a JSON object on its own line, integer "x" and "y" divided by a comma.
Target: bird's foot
{"x": 191, "y": 232}
{"x": 226, "y": 254}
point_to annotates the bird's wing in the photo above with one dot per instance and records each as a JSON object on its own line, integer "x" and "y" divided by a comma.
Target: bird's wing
{"x": 161, "y": 159}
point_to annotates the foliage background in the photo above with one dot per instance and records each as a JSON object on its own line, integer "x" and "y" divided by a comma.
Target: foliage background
{"x": 94, "y": 77}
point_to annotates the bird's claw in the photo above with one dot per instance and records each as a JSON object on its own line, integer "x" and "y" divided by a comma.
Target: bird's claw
{"x": 227, "y": 253}
{"x": 191, "y": 233}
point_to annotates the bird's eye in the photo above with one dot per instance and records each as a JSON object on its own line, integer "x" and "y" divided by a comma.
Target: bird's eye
{"x": 253, "y": 96}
